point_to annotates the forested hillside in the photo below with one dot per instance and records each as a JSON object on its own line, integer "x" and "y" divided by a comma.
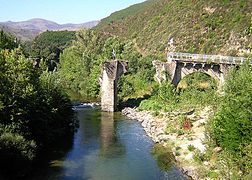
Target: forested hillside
{"x": 48, "y": 45}
{"x": 197, "y": 26}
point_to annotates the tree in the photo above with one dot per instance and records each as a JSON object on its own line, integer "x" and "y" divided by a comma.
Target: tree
{"x": 231, "y": 126}
{"x": 7, "y": 41}
{"x": 48, "y": 46}
{"x": 79, "y": 64}
{"x": 34, "y": 113}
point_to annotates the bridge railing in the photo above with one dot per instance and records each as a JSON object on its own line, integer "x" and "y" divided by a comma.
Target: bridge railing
{"x": 219, "y": 59}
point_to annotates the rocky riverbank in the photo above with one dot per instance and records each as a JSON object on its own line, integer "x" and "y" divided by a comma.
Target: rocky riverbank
{"x": 184, "y": 131}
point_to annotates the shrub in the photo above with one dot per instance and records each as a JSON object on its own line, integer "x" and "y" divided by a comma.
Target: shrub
{"x": 34, "y": 113}
{"x": 232, "y": 124}
{"x": 166, "y": 92}
{"x": 16, "y": 153}
{"x": 191, "y": 147}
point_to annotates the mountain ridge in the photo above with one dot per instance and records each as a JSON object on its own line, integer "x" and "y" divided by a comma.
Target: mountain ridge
{"x": 29, "y": 29}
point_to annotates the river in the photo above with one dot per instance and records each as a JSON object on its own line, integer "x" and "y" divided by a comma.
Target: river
{"x": 108, "y": 146}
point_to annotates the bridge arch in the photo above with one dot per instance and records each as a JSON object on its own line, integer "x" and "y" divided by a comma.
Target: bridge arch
{"x": 199, "y": 80}
{"x": 185, "y": 69}
{"x": 179, "y": 65}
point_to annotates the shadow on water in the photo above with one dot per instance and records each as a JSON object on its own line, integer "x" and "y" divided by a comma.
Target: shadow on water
{"x": 51, "y": 158}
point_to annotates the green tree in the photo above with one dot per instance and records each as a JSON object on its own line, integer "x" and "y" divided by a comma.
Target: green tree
{"x": 79, "y": 64}
{"x": 34, "y": 113}
{"x": 7, "y": 41}
{"x": 48, "y": 46}
{"x": 232, "y": 124}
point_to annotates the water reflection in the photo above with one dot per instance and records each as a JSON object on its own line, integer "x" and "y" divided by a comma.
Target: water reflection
{"x": 110, "y": 145}
{"x": 107, "y": 147}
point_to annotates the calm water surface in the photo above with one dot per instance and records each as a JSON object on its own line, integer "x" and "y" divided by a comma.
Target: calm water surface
{"x": 108, "y": 146}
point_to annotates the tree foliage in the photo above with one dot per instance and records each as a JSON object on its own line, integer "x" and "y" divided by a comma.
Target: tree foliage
{"x": 48, "y": 45}
{"x": 34, "y": 113}
{"x": 232, "y": 124}
{"x": 80, "y": 64}
{"x": 7, "y": 41}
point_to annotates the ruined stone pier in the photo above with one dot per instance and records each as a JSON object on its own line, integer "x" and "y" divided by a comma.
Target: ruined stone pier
{"x": 111, "y": 72}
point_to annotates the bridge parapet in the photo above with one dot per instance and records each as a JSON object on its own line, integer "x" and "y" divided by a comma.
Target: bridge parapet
{"x": 203, "y": 58}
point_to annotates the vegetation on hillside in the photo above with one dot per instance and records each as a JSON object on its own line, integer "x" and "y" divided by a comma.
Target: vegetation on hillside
{"x": 214, "y": 26}
{"x": 122, "y": 14}
{"x": 48, "y": 45}
{"x": 21, "y": 34}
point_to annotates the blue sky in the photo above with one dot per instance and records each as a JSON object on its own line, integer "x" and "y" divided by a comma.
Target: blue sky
{"x": 61, "y": 11}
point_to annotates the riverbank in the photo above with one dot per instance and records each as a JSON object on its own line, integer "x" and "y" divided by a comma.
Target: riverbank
{"x": 183, "y": 131}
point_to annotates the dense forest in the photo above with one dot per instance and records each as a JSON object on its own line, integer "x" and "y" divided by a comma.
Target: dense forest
{"x": 35, "y": 105}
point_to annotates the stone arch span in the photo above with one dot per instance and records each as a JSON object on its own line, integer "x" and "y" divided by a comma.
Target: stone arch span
{"x": 184, "y": 69}
{"x": 179, "y": 65}
{"x": 178, "y": 70}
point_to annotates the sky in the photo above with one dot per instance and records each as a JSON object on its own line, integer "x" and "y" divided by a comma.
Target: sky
{"x": 61, "y": 11}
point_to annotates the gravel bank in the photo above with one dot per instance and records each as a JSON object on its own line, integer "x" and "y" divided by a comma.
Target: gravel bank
{"x": 156, "y": 129}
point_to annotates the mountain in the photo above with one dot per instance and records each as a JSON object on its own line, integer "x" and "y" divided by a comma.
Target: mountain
{"x": 195, "y": 26}
{"x": 27, "y": 30}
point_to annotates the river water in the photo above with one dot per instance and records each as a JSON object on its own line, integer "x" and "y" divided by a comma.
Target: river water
{"x": 108, "y": 146}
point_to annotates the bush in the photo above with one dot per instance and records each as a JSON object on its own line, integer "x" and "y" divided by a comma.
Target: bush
{"x": 16, "y": 153}
{"x": 166, "y": 92}
{"x": 232, "y": 124}
{"x": 51, "y": 113}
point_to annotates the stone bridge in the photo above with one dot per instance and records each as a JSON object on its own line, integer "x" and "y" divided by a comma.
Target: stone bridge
{"x": 111, "y": 72}
{"x": 179, "y": 65}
